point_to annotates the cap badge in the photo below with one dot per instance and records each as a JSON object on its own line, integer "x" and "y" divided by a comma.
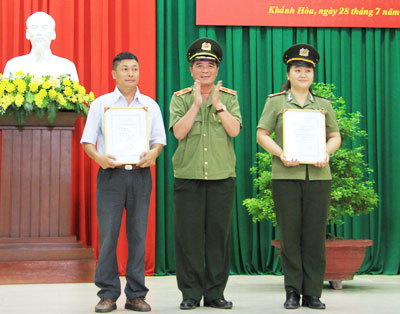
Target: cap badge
{"x": 304, "y": 52}
{"x": 206, "y": 46}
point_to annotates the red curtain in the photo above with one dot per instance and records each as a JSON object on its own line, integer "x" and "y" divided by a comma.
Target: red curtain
{"x": 90, "y": 33}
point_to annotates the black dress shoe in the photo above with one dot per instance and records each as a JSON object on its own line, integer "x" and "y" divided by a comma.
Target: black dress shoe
{"x": 219, "y": 304}
{"x": 189, "y": 304}
{"x": 292, "y": 300}
{"x": 313, "y": 302}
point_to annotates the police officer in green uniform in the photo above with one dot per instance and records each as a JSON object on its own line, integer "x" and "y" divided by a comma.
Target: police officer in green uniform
{"x": 301, "y": 192}
{"x": 204, "y": 118}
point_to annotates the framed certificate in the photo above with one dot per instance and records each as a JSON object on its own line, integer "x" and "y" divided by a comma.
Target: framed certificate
{"x": 304, "y": 136}
{"x": 126, "y": 133}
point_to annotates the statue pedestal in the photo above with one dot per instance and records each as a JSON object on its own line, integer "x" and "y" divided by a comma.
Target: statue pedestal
{"x": 35, "y": 241}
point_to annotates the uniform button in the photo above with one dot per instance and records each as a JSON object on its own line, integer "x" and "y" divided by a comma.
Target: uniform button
{"x": 206, "y": 177}
{"x": 204, "y": 134}
{"x": 206, "y": 173}
{"x": 205, "y": 149}
{"x": 206, "y": 163}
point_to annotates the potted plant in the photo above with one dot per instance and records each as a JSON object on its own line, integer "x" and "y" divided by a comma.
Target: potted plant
{"x": 24, "y": 95}
{"x": 352, "y": 192}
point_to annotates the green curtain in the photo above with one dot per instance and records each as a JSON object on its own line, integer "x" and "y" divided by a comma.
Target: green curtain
{"x": 365, "y": 68}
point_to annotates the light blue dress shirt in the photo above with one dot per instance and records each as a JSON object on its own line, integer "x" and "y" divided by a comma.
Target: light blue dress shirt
{"x": 94, "y": 128}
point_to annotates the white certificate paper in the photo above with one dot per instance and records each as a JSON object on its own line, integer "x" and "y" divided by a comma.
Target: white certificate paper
{"x": 304, "y": 135}
{"x": 126, "y": 133}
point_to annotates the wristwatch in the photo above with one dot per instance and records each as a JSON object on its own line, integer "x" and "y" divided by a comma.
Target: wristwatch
{"x": 222, "y": 109}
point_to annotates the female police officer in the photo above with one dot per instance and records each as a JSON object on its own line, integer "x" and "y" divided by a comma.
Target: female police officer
{"x": 301, "y": 192}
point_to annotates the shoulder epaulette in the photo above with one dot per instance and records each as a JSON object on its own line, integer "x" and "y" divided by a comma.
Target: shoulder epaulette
{"x": 326, "y": 98}
{"x": 183, "y": 91}
{"x": 227, "y": 90}
{"x": 277, "y": 94}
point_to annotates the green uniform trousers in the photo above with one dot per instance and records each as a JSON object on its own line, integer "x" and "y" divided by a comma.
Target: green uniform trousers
{"x": 203, "y": 214}
{"x": 301, "y": 208}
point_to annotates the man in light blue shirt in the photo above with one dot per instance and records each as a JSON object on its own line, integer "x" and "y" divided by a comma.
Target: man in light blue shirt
{"x": 122, "y": 186}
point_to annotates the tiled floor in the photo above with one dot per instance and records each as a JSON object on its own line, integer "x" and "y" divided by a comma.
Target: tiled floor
{"x": 249, "y": 294}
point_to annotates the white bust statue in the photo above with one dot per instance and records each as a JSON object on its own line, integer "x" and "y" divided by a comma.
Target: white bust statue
{"x": 40, "y": 30}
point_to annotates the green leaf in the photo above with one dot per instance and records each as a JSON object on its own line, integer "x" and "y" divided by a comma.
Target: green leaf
{"x": 40, "y": 112}
{"x": 19, "y": 116}
{"x": 28, "y": 106}
{"x": 45, "y": 102}
{"x": 52, "y": 112}
{"x": 69, "y": 105}
{"x": 29, "y": 97}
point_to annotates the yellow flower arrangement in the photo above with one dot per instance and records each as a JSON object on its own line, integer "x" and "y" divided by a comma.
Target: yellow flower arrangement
{"x": 23, "y": 95}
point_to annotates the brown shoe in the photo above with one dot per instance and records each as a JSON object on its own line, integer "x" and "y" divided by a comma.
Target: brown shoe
{"x": 105, "y": 305}
{"x": 137, "y": 304}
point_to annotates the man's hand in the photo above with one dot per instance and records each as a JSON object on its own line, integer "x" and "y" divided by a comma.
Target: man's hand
{"x": 104, "y": 161}
{"x": 198, "y": 99}
{"x": 215, "y": 99}
{"x": 148, "y": 158}
{"x": 107, "y": 161}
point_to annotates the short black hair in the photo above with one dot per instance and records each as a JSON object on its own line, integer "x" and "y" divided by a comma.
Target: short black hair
{"x": 123, "y": 56}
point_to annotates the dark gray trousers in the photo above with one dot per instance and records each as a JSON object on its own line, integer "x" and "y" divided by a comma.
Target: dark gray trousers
{"x": 203, "y": 220}
{"x": 118, "y": 189}
{"x": 301, "y": 208}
